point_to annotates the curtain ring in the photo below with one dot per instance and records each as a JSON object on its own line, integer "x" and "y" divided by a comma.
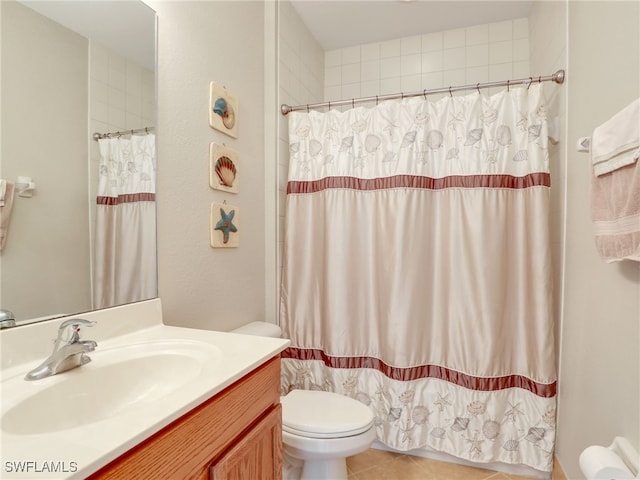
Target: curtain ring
{"x": 376, "y": 100}
{"x": 353, "y": 103}
{"x": 424, "y": 93}
{"x": 329, "y": 105}
{"x": 540, "y": 79}
{"x": 450, "y": 94}
{"x": 530, "y": 82}
{"x": 307, "y": 108}
{"x": 478, "y": 88}
{"x": 508, "y": 83}
{"x": 146, "y": 130}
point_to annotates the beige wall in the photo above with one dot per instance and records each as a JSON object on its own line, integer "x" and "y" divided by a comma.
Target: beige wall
{"x": 200, "y": 42}
{"x": 44, "y": 136}
{"x": 600, "y": 358}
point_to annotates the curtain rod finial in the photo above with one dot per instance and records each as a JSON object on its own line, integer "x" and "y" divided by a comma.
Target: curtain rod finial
{"x": 284, "y": 108}
{"x": 559, "y": 76}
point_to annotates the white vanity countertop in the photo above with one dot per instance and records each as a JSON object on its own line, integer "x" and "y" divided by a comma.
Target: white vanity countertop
{"x": 73, "y": 448}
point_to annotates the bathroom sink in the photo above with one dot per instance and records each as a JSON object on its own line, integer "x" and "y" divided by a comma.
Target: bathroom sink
{"x": 118, "y": 380}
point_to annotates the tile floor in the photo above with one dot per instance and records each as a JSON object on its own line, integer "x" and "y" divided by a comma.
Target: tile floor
{"x": 382, "y": 465}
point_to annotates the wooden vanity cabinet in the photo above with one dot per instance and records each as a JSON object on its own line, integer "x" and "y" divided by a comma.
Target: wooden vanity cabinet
{"x": 235, "y": 435}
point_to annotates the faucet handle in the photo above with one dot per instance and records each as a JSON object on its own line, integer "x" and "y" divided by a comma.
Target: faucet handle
{"x": 76, "y": 323}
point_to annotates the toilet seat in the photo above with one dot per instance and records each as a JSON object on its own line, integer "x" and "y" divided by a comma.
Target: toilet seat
{"x": 319, "y": 414}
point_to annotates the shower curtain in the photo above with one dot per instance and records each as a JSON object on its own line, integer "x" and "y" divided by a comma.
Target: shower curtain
{"x": 416, "y": 271}
{"x": 125, "y": 225}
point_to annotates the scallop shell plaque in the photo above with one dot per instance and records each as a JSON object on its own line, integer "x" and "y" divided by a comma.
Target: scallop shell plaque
{"x": 223, "y": 168}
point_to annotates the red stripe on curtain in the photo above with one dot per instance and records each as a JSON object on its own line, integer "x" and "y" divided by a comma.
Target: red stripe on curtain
{"x": 127, "y": 198}
{"x": 485, "y": 384}
{"x": 427, "y": 183}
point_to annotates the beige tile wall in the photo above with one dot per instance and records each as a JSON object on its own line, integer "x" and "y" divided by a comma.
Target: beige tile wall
{"x": 482, "y": 53}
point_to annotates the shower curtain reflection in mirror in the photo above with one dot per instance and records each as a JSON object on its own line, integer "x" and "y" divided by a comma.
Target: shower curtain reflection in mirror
{"x": 125, "y": 232}
{"x": 417, "y": 274}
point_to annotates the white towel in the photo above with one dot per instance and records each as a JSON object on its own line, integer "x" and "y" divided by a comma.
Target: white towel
{"x": 3, "y": 191}
{"x": 5, "y": 212}
{"x": 616, "y": 143}
{"x": 615, "y": 186}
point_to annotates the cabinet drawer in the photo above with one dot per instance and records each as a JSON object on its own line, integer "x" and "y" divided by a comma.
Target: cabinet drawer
{"x": 185, "y": 448}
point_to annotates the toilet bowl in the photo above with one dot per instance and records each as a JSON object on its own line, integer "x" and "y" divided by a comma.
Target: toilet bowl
{"x": 320, "y": 429}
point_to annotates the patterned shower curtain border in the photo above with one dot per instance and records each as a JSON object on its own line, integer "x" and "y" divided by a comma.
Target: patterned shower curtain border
{"x": 425, "y": 183}
{"x": 484, "y": 384}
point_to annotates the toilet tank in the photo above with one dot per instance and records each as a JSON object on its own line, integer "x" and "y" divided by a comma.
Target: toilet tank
{"x": 260, "y": 329}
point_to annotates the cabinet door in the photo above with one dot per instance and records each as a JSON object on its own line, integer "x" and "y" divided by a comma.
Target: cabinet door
{"x": 257, "y": 455}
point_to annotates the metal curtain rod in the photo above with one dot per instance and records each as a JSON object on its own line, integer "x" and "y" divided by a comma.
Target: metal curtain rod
{"x": 557, "y": 77}
{"x": 97, "y": 136}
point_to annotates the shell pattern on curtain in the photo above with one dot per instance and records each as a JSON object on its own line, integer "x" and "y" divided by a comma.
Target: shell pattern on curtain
{"x": 125, "y": 266}
{"x": 416, "y": 271}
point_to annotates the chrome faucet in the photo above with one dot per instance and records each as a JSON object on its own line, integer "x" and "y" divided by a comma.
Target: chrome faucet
{"x": 7, "y": 319}
{"x": 68, "y": 353}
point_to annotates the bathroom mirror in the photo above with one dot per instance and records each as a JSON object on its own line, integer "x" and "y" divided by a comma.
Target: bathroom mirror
{"x": 68, "y": 69}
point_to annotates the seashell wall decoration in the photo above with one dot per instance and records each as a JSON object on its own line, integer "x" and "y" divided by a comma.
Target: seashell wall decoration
{"x": 226, "y": 171}
{"x": 223, "y": 110}
{"x": 224, "y": 230}
{"x": 223, "y": 168}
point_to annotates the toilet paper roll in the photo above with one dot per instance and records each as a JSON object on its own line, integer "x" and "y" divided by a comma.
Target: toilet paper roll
{"x": 601, "y": 463}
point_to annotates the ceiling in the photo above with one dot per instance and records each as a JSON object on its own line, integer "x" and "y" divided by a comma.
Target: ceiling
{"x": 342, "y": 23}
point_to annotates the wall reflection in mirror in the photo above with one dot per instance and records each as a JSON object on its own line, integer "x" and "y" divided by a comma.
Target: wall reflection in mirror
{"x": 82, "y": 236}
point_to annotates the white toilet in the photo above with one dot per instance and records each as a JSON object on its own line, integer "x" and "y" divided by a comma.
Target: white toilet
{"x": 320, "y": 428}
{"x": 323, "y": 429}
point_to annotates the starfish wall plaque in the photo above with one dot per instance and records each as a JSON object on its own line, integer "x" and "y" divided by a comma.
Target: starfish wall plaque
{"x": 224, "y": 225}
